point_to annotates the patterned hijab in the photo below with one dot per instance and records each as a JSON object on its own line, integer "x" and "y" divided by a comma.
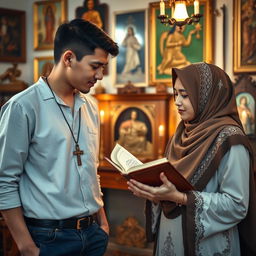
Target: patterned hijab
{"x": 197, "y": 147}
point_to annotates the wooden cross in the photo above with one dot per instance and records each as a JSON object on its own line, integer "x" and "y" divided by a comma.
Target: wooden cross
{"x": 77, "y": 153}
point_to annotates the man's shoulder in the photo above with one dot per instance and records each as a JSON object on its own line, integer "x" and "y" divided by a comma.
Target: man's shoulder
{"x": 90, "y": 99}
{"x": 25, "y": 95}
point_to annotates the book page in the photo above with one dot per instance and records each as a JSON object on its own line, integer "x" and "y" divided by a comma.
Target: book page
{"x": 149, "y": 164}
{"x": 124, "y": 158}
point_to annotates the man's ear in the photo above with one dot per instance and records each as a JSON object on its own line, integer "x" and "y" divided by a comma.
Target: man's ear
{"x": 68, "y": 56}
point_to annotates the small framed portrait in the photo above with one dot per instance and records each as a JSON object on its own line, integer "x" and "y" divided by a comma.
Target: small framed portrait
{"x": 94, "y": 12}
{"x": 42, "y": 66}
{"x": 172, "y": 46}
{"x": 246, "y": 110}
{"x": 244, "y": 36}
{"x": 245, "y": 89}
{"x": 48, "y": 15}
{"x": 12, "y": 36}
{"x": 130, "y": 32}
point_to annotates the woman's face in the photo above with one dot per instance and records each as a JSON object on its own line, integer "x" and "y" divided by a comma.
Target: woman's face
{"x": 183, "y": 102}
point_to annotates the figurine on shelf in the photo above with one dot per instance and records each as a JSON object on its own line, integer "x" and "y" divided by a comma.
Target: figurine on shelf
{"x": 130, "y": 88}
{"x": 11, "y": 74}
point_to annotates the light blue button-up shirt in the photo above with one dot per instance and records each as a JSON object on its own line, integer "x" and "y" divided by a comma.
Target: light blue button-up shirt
{"x": 38, "y": 170}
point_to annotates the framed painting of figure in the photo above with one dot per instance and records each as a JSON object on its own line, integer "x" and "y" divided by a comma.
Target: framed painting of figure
{"x": 42, "y": 66}
{"x": 244, "y": 36}
{"x": 245, "y": 89}
{"x": 246, "y": 110}
{"x": 130, "y": 32}
{"x": 94, "y": 12}
{"x": 12, "y": 36}
{"x": 48, "y": 15}
{"x": 133, "y": 130}
{"x": 172, "y": 46}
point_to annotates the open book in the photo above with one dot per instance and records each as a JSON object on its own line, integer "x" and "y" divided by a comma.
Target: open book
{"x": 148, "y": 173}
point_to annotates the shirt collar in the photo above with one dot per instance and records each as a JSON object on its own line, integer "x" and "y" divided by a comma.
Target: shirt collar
{"x": 47, "y": 94}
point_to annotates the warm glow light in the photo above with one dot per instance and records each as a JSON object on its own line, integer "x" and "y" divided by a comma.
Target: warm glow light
{"x": 161, "y": 130}
{"x": 179, "y": 15}
{"x": 102, "y": 113}
{"x": 180, "y": 12}
{"x": 196, "y": 7}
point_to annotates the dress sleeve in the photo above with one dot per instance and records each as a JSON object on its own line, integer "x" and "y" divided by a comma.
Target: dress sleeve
{"x": 14, "y": 141}
{"x": 224, "y": 202}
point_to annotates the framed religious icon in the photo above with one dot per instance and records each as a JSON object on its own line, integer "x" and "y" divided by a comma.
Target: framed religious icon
{"x": 12, "y": 35}
{"x": 246, "y": 110}
{"x": 171, "y": 46}
{"x": 42, "y": 66}
{"x": 94, "y": 12}
{"x": 130, "y": 32}
{"x": 48, "y": 15}
{"x": 245, "y": 89}
{"x": 244, "y": 36}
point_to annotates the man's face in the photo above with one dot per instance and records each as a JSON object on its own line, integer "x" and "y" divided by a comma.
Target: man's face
{"x": 83, "y": 74}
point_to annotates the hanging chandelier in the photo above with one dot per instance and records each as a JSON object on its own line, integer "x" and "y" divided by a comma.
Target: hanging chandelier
{"x": 179, "y": 14}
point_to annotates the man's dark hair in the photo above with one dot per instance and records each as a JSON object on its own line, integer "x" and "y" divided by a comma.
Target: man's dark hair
{"x": 82, "y": 37}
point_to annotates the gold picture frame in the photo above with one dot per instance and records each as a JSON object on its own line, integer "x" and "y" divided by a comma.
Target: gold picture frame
{"x": 199, "y": 49}
{"x": 42, "y": 66}
{"x": 48, "y": 15}
{"x": 244, "y": 49}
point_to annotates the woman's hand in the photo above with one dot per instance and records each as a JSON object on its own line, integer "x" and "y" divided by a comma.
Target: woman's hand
{"x": 166, "y": 192}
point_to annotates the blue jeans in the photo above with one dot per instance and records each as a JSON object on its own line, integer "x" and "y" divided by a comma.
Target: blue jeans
{"x": 91, "y": 241}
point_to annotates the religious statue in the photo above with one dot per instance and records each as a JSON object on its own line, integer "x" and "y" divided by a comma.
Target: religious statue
{"x": 132, "y": 135}
{"x": 130, "y": 233}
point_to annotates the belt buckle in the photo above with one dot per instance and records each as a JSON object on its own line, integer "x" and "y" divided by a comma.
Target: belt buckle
{"x": 78, "y": 223}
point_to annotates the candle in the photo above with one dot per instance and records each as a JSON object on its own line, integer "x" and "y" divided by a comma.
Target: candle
{"x": 162, "y": 8}
{"x": 196, "y": 7}
{"x": 102, "y": 116}
{"x": 161, "y": 130}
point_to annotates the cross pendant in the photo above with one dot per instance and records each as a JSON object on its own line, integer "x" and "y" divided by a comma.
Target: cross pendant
{"x": 77, "y": 153}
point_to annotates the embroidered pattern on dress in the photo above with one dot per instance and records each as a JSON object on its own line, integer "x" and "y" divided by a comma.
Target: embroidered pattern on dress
{"x": 205, "y": 84}
{"x": 199, "y": 228}
{"x": 168, "y": 249}
{"x": 227, "y": 250}
{"x": 223, "y": 135}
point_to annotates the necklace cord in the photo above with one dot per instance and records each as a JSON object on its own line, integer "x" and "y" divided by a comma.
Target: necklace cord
{"x": 76, "y": 140}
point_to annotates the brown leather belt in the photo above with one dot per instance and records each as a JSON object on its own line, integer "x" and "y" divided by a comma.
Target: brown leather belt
{"x": 71, "y": 223}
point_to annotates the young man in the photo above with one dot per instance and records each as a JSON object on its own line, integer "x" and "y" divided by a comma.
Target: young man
{"x": 49, "y": 136}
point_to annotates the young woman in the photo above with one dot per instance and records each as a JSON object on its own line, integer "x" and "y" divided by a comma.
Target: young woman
{"x": 211, "y": 150}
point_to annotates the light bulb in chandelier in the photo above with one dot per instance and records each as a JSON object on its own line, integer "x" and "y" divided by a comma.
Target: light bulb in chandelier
{"x": 179, "y": 12}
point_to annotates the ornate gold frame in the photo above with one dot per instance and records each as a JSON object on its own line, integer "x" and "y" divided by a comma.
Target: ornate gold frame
{"x": 38, "y": 20}
{"x": 239, "y": 67}
{"x": 207, "y": 51}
